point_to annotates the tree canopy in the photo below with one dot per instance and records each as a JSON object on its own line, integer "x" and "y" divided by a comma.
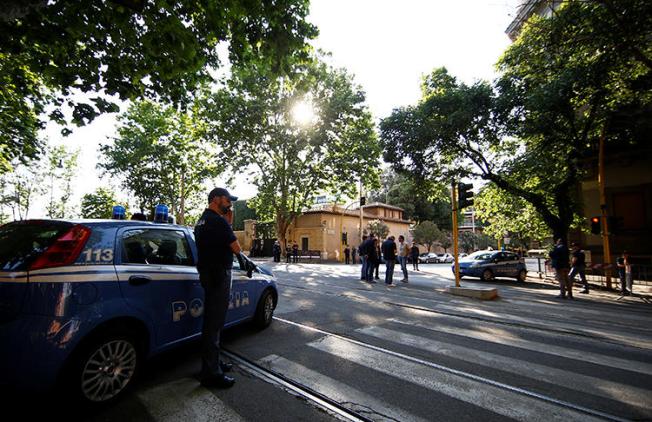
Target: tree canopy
{"x": 563, "y": 83}
{"x": 161, "y": 50}
{"x": 161, "y": 156}
{"x": 296, "y": 137}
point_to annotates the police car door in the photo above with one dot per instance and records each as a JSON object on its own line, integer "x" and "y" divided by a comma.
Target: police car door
{"x": 158, "y": 277}
{"x": 244, "y": 293}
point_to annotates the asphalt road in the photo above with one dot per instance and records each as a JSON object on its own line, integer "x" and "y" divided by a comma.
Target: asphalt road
{"x": 414, "y": 353}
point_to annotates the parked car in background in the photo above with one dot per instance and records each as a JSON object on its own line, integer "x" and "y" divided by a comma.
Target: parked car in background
{"x": 491, "y": 264}
{"x": 428, "y": 258}
{"x": 445, "y": 257}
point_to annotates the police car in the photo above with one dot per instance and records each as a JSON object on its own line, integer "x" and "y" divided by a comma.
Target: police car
{"x": 84, "y": 303}
{"x": 490, "y": 264}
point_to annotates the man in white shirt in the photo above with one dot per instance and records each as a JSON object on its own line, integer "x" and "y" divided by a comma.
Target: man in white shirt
{"x": 403, "y": 252}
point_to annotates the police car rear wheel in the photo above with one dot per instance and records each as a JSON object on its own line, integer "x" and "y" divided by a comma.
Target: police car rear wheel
{"x": 107, "y": 369}
{"x": 265, "y": 310}
{"x": 487, "y": 275}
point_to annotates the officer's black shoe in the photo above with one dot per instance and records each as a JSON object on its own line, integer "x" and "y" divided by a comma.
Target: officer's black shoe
{"x": 226, "y": 367}
{"x": 218, "y": 381}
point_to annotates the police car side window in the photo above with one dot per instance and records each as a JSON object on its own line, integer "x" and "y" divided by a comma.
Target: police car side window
{"x": 156, "y": 247}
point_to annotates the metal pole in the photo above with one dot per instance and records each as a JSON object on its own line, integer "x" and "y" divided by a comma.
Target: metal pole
{"x": 455, "y": 248}
{"x": 360, "y": 211}
{"x": 603, "y": 209}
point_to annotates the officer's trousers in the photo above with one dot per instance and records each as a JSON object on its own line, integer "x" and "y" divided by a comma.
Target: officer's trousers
{"x": 217, "y": 287}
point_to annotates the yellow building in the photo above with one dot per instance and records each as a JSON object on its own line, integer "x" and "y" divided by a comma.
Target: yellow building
{"x": 321, "y": 228}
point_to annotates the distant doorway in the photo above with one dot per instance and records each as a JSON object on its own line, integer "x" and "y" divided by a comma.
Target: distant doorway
{"x": 304, "y": 244}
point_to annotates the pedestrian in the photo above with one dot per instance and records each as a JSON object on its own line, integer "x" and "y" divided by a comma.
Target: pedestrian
{"x": 347, "y": 255}
{"x": 378, "y": 256}
{"x": 363, "y": 257}
{"x": 402, "y": 257}
{"x": 288, "y": 254}
{"x": 216, "y": 245}
{"x": 295, "y": 252}
{"x": 560, "y": 262}
{"x": 277, "y": 251}
{"x": 414, "y": 254}
{"x": 389, "y": 254}
{"x": 578, "y": 266}
{"x": 371, "y": 254}
{"x": 353, "y": 253}
{"x": 625, "y": 274}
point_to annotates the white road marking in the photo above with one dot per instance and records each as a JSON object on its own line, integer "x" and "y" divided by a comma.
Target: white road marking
{"x": 502, "y": 336}
{"x": 338, "y": 391}
{"x": 583, "y": 383}
{"x": 489, "y": 397}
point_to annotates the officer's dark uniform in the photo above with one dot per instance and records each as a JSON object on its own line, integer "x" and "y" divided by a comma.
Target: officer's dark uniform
{"x": 213, "y": 237}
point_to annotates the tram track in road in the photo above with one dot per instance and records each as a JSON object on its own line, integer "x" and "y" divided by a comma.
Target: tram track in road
{"x": 295, "y": 387}
{"x": 341, "y": 411}
{"x": 498, "y": 321}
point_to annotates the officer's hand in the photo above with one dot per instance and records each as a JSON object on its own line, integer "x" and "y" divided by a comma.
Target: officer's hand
{"x": 229, "y": 216}
{"x": 251, "y": 267}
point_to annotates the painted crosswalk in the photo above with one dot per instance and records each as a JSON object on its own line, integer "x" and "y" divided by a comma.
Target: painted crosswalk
{"x": 417, "y": 364}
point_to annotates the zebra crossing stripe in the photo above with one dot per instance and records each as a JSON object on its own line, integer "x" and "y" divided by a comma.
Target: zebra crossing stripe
{"x": 357, "y": 401}
{"x": 186, "y": 400}
{"x": 586, "y": 384}
{"x": 502, "y": 336}
{"x": 429, "y": 375}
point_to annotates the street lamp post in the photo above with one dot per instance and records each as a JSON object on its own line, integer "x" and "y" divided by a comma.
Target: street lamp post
{"x": 342, "y": 223}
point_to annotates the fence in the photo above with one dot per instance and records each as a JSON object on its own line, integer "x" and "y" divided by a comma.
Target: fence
{"x": 595, "y": 274}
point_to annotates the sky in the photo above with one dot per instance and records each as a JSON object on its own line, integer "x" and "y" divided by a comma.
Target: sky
{"x": 387, "y": 45}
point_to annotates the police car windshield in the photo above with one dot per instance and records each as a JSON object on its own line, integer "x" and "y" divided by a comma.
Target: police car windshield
{"x": 480, "y": 256}
{"x": 22, "y": 242}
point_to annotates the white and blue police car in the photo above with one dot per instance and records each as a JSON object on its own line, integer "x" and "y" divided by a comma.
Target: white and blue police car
{"x": 489, "y": 264}
{"x": 84, "y": 303}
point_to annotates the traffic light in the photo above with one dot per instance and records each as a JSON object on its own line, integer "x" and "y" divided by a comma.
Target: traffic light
{"x": 363, "y": 201}
{"x": 464, "y": 195}
{"x": 595, "y": 225}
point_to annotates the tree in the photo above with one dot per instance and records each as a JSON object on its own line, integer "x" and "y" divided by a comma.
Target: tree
{"x": 98, "y": 204}
{"x": 159, "y": 50}
{"x": 297, "y": 137}
{"x": 445, "y": 239}
{"x": 379, "y": 228}
{"x": 21, "y": 186}
{"x": 161, "y": 156}
{"x": 564, "y": 83}
{"x": 61, "y": 168}
{"x": 504, "y": 213}
{"x": 419, "y": 199}
{"x": 242, "y": 212}
{"x": 426, "y": 233}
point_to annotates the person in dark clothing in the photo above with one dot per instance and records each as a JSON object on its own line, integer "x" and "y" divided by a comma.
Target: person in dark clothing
{"x": 560, "y": 262}
{"x": 414, "y": 254}
{"x": 288, "y": 254}
{"x": 389, "y": 254}
{"x": 378, "y": 255}
{"x": 216, "y": 244}
{"x": 353, "y": 250}
{"x": 347, "y": 255}
{"x": 368, "y": 247}
{"x": 578, "y": 266}
{"x": 276, "y": 250}
{"x": 295, "y": 252}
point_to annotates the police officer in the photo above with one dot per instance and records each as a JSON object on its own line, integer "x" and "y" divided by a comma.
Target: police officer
{"x": 216, "y": 244}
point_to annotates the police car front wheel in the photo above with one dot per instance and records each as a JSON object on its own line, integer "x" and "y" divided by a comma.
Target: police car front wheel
{"x": 106, "y": 369}
{"x": 265, "y": 310}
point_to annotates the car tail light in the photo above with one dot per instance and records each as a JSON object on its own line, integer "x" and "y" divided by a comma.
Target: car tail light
{"x": 64, "y": 250}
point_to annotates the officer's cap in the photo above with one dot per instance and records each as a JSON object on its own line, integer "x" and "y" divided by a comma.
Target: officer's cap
{"x": 220, "y": 192}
